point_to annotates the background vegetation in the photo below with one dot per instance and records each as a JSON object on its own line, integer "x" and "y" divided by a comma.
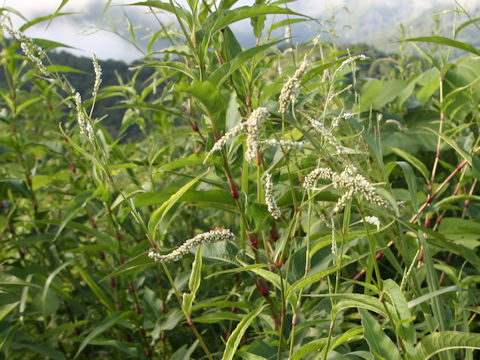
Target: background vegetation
{"x": 339, "y": 190}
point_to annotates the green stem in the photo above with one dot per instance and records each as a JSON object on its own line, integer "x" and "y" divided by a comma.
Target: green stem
{"x": 187, "y": 317}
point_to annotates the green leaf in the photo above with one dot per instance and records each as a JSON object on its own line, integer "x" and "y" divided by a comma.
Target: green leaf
{"x": 78, "y": 203}
{"x": 165, "y": 6}
{"x": 446, "y": 340}
{"x": 389, "y": 91}
{"x": 222, "y": 18}
{"x": 64, "y": 69}
{"x": 258, "y": 22}
{"x": 160, "y": 213}
{"x": 97, "y": 290}
{"x": 238, "y": 269}
{"x": 271, "y": 277}
{"x": 47, "y": 286}
{"x": 411, "y": 182}
{"x": 285, "y": 22}
{"x": 10, "y": 280}
{"x": 405, "y": 328}
{"x": 439, "y": 240}
{"x": 7, "y": 308}
{"x": 103, "y": 326}
{"x": 369, "y": 140}
{"x": 132, "y": 266}
{"x": 249, "y": 356}
{"x": 476, "y": 166}
{"x": 57, "y": 12}
{"x": 380, "y": 344}
{"x": 467, "y": 157}
{"x": 38, "y": 349}
{"x": 310, "y": 279}
{"x": 210, "y": 98}
{"x": 318, "y": 344}
{"x": 427, "y": 297}
{"x": 130, "y": 351}
{"x": 446, "y": 41}
{"x": 195, "y": 275}
{"x": 237, "y": 334}
{"x": 465, "y": 24}
{"x": 105, "y": 239}
{"x": 27, "y": 103}
{"x": 369, "y": 93}
{"x": 223, "y": 72}
{"x": 40, "y": 180}
{"x": 175, "y": 65}
{"x": 362, "y": 301}
{"x": 412, "y": 160}
{"x": 215, "y": 317}
{"x": 213, "y": 198}
{"x": 169, "y": 322}
{"x": 183, "y": 353}
{"x": 187, "y": 303}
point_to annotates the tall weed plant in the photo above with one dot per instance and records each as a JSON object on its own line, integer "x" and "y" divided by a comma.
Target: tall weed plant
{"x": 282, "y": 205}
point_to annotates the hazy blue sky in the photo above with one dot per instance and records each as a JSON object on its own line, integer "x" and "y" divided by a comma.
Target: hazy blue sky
{"x": 84, "y": 29}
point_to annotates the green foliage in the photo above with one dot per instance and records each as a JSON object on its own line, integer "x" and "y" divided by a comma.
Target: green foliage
{"x": 344, "y": 226}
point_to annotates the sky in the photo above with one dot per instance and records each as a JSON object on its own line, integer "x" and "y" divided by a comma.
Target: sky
{"x": 91, "y": 30}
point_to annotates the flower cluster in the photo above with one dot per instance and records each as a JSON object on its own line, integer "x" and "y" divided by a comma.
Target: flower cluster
{"x": 334, "y": 245}
{"x": 328, "y": 136}
{"x": 29, "y": 48}
{"x": 287, "y": 144}
{"x": 98, "y": 75}
{"x": 223, "y": 140}
{"x": 348, "y": 180}
{"x": 288, "y": 90}
{"x": 322, "y": 173}
{"x": 373, "y": 220}
{"x": 251, "y": 127}
{"x": 216, "y": 235}
{"x": 273, "y": 208}
{"x": 83, "y": 124}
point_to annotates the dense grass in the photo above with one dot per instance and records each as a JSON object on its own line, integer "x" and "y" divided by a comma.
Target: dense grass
{"x": 283, "y": 204}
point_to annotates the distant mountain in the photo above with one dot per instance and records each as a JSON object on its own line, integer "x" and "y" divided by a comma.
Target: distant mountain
{"x": 378, "y": 22}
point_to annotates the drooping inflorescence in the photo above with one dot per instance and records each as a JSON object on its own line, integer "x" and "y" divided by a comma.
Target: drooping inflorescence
{"x": 287, "y": 144}
{"x": 288, "y": 90}
{"x": 273, "y": 208}
{"x": 216, "y": 235}
{"x": 31, "y": 50}
{"x": 372, "y": 220}
{"x": 251, "y": 127}
{"x": 328, "y": 136}
{"x": 85, "y": 126}
{"x": 349, "y": 180}
{"x": 98, "y": 75}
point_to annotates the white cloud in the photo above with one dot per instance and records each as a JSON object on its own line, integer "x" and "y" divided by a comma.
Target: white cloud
{"x": 76, "y": 30}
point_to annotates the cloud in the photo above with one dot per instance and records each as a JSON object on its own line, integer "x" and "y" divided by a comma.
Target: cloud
{"x": 90, "y": 29}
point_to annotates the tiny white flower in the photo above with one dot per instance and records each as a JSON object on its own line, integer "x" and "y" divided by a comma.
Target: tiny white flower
{"x": 27, "y": 50}
{"x": 82, "y": 123}
{"x": 348, "y": 180}
{"x": 252, "y": 127}
{"x": 98, "y": 75}
{"x": 328, "y": 136}
{"x": 216, "y": 235}
{"x": 288, "y": 90}
{"x": 373, "y": 220}
{"x": 273, "y": 208}
{"x": 287, "y": 144}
